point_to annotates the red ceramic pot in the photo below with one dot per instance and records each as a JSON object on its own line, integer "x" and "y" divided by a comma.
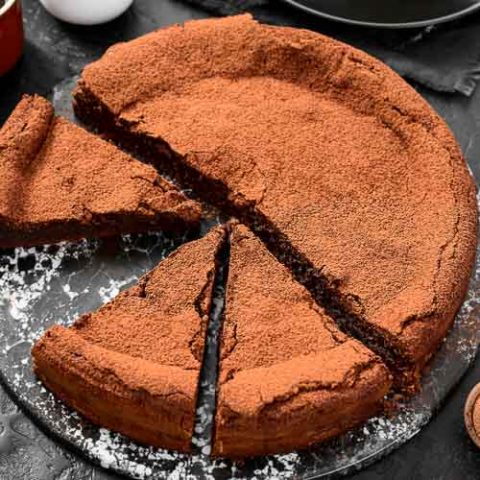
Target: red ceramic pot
{"x": 11, "y": 34}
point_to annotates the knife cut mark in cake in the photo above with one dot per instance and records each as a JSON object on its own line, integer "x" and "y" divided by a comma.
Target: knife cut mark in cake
{"x": 59, "y": 182}
{"x": 288, "y": 376}
{"x": 345, "y": 172}
{"x": 133, "y": 365}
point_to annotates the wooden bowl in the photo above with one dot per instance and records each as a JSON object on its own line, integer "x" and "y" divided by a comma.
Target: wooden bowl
{"x": 472, "y": 409}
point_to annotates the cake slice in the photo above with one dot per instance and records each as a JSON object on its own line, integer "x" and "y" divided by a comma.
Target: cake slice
{"x": 59, "y": 182}
{"x": 288, "y": 377}
{"x": 133, "y": 365}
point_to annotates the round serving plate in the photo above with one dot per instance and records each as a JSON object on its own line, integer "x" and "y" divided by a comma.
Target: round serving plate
{"x": 388, "y": 14}
{"x": 43, "y": 286}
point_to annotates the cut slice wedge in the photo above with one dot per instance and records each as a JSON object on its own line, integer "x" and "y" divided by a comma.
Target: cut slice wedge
{"x": 59, "y": 182}
{"x": 288, "y": 377}
{"x": 133, "y": 365}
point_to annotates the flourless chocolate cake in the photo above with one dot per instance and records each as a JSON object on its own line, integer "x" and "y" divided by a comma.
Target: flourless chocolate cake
{"x": 133, "y": 365}
{"x": 59, "y": 182}
{"x": 342, "y": 168}
{"x": 288, "y": 376}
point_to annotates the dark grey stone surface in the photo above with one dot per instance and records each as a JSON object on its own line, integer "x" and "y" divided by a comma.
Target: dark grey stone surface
{"x": 54, "y": 51}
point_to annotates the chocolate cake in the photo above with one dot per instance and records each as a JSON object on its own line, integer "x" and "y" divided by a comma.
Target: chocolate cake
{"x": 133, "y": 365}
{"x": 288, "y": 376}
{"x": 59, "y": 182}
{"x": 345, "y": 172}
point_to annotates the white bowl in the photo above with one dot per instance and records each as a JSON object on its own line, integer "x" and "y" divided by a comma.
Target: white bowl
{"x": 6, "y": 6}
{"x": 86, "y": 12}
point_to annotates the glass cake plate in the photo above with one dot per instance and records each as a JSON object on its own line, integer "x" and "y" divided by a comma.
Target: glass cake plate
{"x": 43, "y": 286}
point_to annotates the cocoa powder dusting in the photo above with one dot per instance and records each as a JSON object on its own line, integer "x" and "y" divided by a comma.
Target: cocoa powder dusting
{"x": 283, "y": 357}
{"x": 146, "y": 346}
{"x": 325, "y": 145}
{"x": 60, "y": 182}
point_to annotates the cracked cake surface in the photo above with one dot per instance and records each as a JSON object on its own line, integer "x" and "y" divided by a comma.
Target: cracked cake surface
{"x": 59, "y": 182}
{"x": 133, "y": 365}
{"x": 288, "y": 376}
{"x": 324, "y": 151}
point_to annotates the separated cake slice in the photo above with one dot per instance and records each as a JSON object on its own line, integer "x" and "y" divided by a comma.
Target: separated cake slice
{"x": 133, "y": 366}
{"x": 288, "y": 377}
{"x": 59, "y": 182}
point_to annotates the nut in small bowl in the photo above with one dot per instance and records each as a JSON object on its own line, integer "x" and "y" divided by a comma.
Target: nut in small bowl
{"x": 472, "y": 414}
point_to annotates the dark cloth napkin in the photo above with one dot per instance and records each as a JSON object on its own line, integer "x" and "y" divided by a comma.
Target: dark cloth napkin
{"x": 445, "y": 58}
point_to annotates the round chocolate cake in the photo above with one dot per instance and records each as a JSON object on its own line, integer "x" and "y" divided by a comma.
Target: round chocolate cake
{"x": 340, "y": 166}
{"x": 362, "y": 229}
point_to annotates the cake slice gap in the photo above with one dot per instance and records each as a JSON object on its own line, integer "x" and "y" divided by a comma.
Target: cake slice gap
{"x": 133, "y": 366}
{"x": 59, "y": 182}
{"x": 288, "y": 377}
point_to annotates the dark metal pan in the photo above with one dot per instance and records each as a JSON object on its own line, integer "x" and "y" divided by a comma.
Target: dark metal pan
{"x": 388, "y": 13}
